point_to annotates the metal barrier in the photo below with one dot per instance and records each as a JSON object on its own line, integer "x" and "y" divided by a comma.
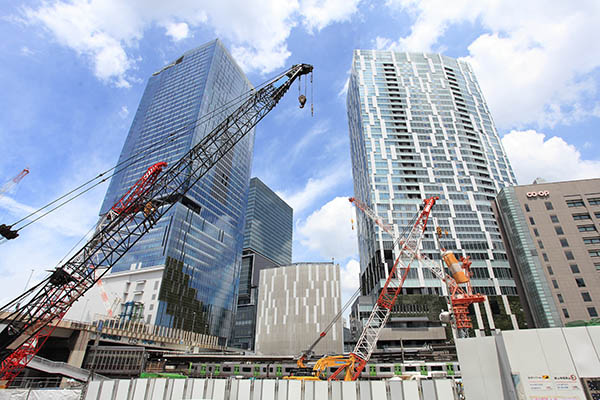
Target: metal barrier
{"x": 268, "y": 389}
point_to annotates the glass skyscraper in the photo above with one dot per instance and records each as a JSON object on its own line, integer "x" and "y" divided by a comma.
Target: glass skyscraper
{"x": 199, "y": 241}
{"x": 267, "y": 244}
{"x": 419, "y": 127}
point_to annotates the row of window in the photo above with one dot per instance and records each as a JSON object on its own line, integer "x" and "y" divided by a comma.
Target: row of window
{"x": 591, "y": 311}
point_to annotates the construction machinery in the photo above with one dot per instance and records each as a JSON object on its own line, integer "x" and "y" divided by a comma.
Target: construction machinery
{"x": 28, "y": 327}
{"x": 5, "y": 231}
{"x": 352, "y": 365}
{"x": 460, "y": 297}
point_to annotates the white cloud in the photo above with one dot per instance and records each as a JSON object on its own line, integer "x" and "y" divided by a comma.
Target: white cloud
{"x": 534, "y": 62}
{"x": 124, "y": 112}
{"x": 328, "y": 230}
{"x": 314, "y": 189}
{"x": 26, "y": 51}
{"x": 106, "y": 31}
{"x": 351, "y": 277}
{"x": 532, "y": 155}
{"x": 177, "y": 31}
{"x": 320, "y": 13}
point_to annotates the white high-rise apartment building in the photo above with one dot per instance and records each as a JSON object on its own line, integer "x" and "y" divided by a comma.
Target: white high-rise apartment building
{"x": 419, "y": 127}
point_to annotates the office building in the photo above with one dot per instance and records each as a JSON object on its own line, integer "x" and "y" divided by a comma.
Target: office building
{"x": 551, "y": 233}
{"x": 197, "y": 245}
{"x": 419, "y": 127}
{"x": 295, "y": 304}
{"x": 267, "y": 244}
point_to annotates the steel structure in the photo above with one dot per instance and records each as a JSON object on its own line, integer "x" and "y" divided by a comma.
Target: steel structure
{"x": 354, "y": 364}
{"x": 28, "y": 327}
{"x": 5, "y": 232}
{"x": 461, "y": 297}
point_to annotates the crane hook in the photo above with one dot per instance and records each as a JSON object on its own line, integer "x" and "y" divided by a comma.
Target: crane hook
{"x": 302, "y": 100}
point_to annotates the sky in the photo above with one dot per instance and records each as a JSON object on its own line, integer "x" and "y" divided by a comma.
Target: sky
{"x": 73, "y": 72}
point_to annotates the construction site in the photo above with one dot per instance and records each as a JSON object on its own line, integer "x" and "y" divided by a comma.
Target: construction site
{"x": 144, "y": 337}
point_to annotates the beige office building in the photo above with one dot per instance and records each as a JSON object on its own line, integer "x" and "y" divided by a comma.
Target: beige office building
{"x": 551, "y": 234}
{"x": 295, "y": 304}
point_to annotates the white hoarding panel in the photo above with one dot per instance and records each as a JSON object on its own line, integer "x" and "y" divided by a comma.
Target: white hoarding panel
{"x": 243, "y": 389}
{"x": 107, "y": 390}
{"x": 219, "y": 389}
{"x": 349, "y": 390}
{"x": 396, "y": 390}
{"x": 282, "y": 390}
{"x": 480, "y": 370}
{"x": 583, "y": 352}
{"x": 178, "y": 387}
{"x": 378, "y": 390}
{"x": 528, "y": 366}
{"x": 92, "y": 390}
{"x": 563, "y": 373}
{"x": 411, "y": 390}
{"x": 444, "y": 390}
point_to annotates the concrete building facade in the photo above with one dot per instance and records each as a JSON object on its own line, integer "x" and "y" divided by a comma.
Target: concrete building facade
{"x": 551, "y": 231}
{"x": 295, "y": 304}
{"x": 419, "y": 127}
{"x": 267, "y": 244}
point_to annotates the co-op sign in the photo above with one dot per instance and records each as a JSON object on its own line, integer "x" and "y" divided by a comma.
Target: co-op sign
{"x": 541, "y": 193}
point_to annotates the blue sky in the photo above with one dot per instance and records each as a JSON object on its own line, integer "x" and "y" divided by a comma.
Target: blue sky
{"x": 73, "y": 72}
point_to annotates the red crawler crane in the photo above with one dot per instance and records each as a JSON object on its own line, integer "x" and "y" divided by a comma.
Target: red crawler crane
{"x": 461, "y": 297}
{"x": 14, "y": 364}
{"x": 127, "y": 224}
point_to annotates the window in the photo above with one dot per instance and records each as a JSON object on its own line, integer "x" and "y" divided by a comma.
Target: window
{"x": 597, "y": 265}
{"x": 545, "y": 257}
{"x": 591, "y": 240}
{"x": 580, "y": 282}
{"x": 554, "y": 219}
{"x": 575, "y": 268}
{"x": 560, "y": 298}
{"x": 597, "y": 215}
{"x": 535, "y": 232}
{"x": 594, "y": 202}
{"x": 564, "y": 242}
{"x": 531, "y": 221}
{"x": 549, "y": 205}
{"x": 586, "y": 296}
{"x": 559, "y": 230}
{"x": 580, "y": 217}
{"x": 565, "y": 312}
{"x": 586, "y": 228}
{"x": 569, "y": 255}
{"x": 550, "y": 270}
{"x": 575, "y": 203}
{"x": 527, "y": 207}
{"x": 554, "y": 283}
{"x": 592, "y": 311}
{"x": 594, "y": 253}
{"x": 540, "y": 244}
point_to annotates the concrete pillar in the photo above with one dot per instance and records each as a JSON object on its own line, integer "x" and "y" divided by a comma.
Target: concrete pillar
{"x": 78, "y": 352}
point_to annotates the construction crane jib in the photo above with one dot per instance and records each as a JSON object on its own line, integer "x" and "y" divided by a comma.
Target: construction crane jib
{"x": 351, "y": 366}
{"x": 28, "y": 327}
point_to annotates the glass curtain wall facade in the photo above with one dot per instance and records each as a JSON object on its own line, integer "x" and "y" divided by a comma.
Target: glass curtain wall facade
{"x": 269, "y": 224}
{"x": 199, "y": 242}
{"x": 267, "y": 244}
{"x": 419, "y": 127}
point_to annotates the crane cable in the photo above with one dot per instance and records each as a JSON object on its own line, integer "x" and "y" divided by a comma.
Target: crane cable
{"x": 151, "y": 148}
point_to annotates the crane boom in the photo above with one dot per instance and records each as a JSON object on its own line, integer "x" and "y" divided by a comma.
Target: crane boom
{"x": 389, "y": 293}
{"x": 118, "y": 234}
{"x": 460, "y": 297}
